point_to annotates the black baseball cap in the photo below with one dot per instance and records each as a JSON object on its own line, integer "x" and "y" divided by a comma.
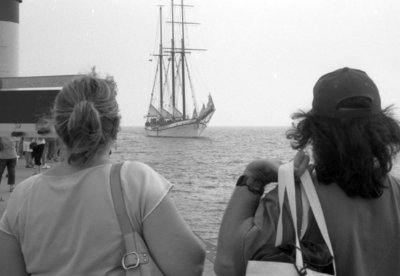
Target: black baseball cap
{"x": 332, "y": 88}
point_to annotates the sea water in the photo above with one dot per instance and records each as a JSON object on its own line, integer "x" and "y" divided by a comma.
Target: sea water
{"x": 204, "y": 170}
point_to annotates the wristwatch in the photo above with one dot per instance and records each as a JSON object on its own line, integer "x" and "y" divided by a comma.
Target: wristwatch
{"x": 253, "y": 185}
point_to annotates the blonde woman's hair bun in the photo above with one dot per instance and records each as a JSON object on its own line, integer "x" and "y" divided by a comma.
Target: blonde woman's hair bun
{"x": 86, "y": 116}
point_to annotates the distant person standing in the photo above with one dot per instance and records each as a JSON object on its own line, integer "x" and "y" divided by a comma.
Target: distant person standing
{"x": 8, "y": 158}
{"x": 44, "y": 155}
{"x": 52, "y": 150}
{"x": 37, "y": 153}
{"x": 27, "y": 152}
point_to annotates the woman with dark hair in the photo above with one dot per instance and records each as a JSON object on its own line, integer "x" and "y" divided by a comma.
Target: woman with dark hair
{"x": 357, "y": 154}
{"x": 353, "y": 143}
{"x": 63, "y": 221}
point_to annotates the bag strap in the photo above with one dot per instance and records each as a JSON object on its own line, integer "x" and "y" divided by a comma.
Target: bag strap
{"x": 131, "y": 259}
{"x": 286, "y": 183}
{"x": 316, "y": 208}
{"x": 286, "y": 177}
{"x": 281, "y": 199}
{"x": 305, "y": 213}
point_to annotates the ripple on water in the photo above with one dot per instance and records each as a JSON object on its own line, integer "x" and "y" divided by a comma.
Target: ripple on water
{"x": 203, "y": 171}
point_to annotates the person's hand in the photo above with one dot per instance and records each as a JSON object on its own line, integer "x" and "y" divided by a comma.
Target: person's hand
{"x": 263, "y": 170}
{"x": 300, "y": 163}
{"x": 266, "y": 170}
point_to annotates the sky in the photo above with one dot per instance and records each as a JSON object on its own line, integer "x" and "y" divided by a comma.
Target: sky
{"x": 262, "y": 57}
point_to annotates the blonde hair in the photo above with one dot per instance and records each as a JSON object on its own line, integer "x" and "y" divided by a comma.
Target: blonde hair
{"x": 86, "y": 117}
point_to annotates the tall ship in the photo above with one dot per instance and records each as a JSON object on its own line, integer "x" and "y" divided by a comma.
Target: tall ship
{"x": 173, "y": 109}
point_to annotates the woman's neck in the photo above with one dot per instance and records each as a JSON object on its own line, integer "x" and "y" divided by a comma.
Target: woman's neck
{"x": 64, "y": 168}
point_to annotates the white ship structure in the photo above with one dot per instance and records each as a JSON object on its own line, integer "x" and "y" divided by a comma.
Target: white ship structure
{"x": 173, "y": 110}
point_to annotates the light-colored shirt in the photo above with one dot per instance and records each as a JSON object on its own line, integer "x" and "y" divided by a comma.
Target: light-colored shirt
{"x": 67, "y": 225}
{"x": 8, "y": 150}
{"x": 26, "y": 146}
{"x": 40, "y": 141}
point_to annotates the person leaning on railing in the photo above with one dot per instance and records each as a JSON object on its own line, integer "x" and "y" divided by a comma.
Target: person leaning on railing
{"x": 353, "y": 142}
{"x": 63, "y": 222}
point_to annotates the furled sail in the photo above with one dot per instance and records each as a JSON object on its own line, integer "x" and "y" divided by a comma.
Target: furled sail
{"x": 153, "y": 112}
{"x": 166, "y": 114}
{"x": 177, "y": 113}
{"x": 203, "y": 109}
{"x": 194, "y": 116}
{"x": 210, "y": 104}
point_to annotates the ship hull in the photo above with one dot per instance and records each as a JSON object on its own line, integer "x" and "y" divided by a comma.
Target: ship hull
{"x": 186, "y": 129}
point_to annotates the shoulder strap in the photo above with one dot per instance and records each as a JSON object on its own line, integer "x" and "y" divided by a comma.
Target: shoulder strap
{"x": 118, "y": 199}
{"x": 131, "y": 259}
{"x": 286, "y": 176}
{"x": 286, "y": 183}
{"x": 305, "y": 212}
{"x": 316, "y": 208}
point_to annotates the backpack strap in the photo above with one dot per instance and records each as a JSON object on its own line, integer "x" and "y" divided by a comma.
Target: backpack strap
{"x": 316, "y": 208}
{"x": 305, "y": 214}
{"x": 286, "y": 183}
{"x": 131, "y": 259}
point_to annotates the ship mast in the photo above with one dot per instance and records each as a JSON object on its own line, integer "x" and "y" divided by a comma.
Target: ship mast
{"x": 173, "y": 56}
{"x": 160, "y": 56}
{"x": 182, "y": 51}
{"x": 183, "y": 62}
